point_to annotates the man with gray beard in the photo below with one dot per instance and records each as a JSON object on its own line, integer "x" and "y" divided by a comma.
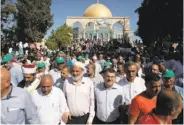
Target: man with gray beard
{"x": 79, "y": 93}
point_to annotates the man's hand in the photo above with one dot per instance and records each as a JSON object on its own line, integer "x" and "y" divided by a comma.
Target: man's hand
{"x": 65, "y": 116}
{"x": 89, "y": 123}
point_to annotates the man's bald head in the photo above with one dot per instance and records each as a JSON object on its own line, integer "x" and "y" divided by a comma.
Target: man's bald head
{"x": 169, "y": 103}
{"x": 5, "y": 74}
{"x": 46, "y": 78}
{"x": 5, "y": 79}
{"x": 46, "y": 84}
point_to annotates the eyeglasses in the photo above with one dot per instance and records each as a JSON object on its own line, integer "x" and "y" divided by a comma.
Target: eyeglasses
{"x": 110, "y": 76}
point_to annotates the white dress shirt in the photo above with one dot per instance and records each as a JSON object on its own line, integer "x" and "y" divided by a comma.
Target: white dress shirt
{"x": 101, "y": 62}
{"x": 97, "y": 79}
{"x": 98, "y": 68}
{"x": 131, "y": 89}
{"x": 140, "y": 72}
{"x": 108, "y": 101}
{"x": 55, "y": 74}
{"x": 80, "y": 97}
{"x": 51, "y": 107}
{"x": 16, "y": 74}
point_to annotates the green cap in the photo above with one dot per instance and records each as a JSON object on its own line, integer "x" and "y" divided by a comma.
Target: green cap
{"x": 60, "y": 60}
{"x": 80, "y": 58}
{"x": 7, "y": 58}
{"x": 41, "y": 64}
{"x": 168, "y": 74}
{"x": 107, "y": 64}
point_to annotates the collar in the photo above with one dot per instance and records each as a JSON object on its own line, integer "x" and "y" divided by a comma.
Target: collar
{"x": 114, "y": 86}
{"x": 44, "y": 94}
{"x": 132, "y": 81}
{"x": 9, "y": 94}
{"x": 78, "y": 84}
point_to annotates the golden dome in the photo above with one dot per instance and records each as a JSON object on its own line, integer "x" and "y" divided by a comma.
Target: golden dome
{"x": 97, "y": 10}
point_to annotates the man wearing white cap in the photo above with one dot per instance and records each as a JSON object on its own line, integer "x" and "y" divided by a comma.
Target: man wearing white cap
{"x": 79, "y": 92}
{"x": 30, "y": 82}
{"x": 98, "y": 68}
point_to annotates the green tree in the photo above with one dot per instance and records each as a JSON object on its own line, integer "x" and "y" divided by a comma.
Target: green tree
{"x": 161, "y": 21}
{"x": 50, "y": 43}
{"x": 62, "y": 36}
{"x": 33, "y": 19}
{"x": 8, "y": 10}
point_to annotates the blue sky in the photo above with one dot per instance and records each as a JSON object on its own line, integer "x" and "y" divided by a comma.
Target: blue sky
{"x": 63, "y": 8}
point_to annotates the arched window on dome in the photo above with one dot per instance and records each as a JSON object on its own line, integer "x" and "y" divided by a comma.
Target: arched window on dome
{"x": 118, "y": 30}
{"x": 90, "y": 29}
{"x": 77, "y": 30}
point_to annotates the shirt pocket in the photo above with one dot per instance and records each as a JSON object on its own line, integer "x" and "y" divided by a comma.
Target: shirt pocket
{"x": 14, "y": 115}
{"x": 55, "y": 106}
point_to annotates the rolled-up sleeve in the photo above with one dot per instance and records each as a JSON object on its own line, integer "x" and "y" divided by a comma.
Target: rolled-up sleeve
{"x": 31, "y": 115}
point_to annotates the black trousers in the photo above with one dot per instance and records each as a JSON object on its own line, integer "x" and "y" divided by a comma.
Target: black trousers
{"x": 123, "y": 114}
{"x": 78, "y": 120}
{"x": 98, "y": 121}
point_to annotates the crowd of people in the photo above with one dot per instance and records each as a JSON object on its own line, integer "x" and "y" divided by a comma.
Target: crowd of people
{"x": 97, "y": 46}
{"x": 114, "y": 83}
